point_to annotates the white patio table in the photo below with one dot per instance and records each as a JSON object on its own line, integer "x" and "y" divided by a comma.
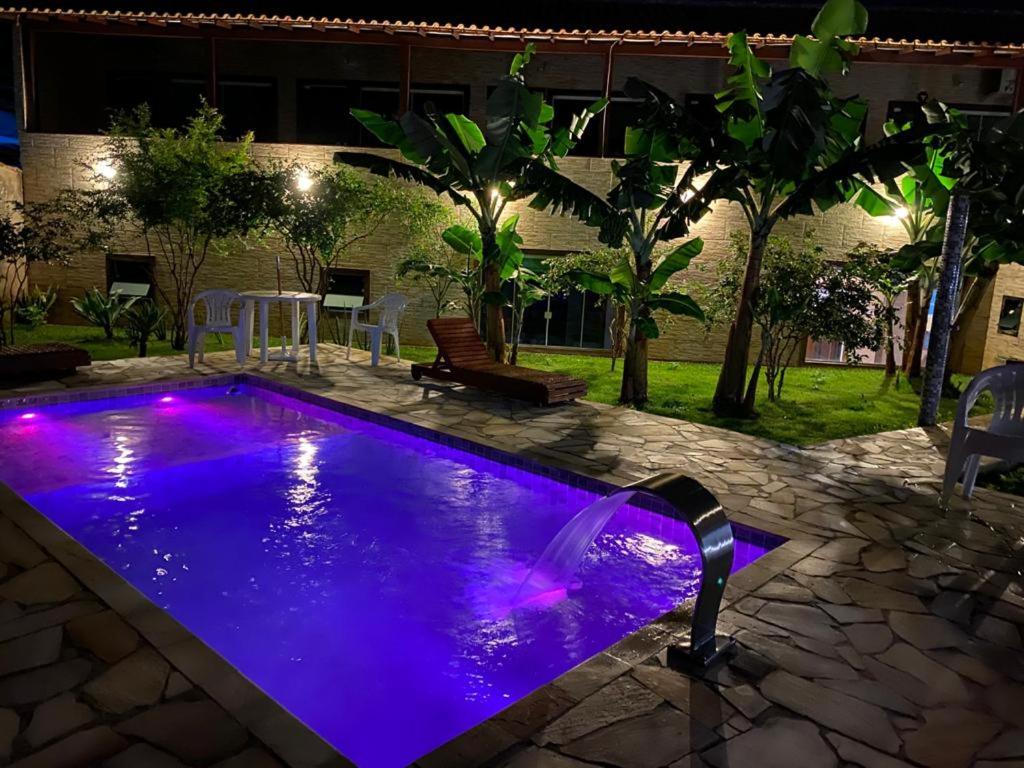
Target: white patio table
{"x": 296, "y": 301}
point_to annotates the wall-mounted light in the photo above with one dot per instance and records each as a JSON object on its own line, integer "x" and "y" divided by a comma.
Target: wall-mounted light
{"x": 105, "y": 170}
{"x": 900, "y": 212}
{"x": 303, "y": 181}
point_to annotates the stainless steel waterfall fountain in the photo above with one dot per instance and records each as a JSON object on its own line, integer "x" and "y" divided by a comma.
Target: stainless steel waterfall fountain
{"x": 689, "y": 502}
{"x": 692, "y": 503}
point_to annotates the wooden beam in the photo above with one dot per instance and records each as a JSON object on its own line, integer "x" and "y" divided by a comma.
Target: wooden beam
{"x": 606, "y": 92}
{"x": 211, "y": 71}
{"x": 405, "y": 79}
{"x": 31, "y": 92}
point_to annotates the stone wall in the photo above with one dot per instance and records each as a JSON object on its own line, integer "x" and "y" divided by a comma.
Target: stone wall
{"x": 53, "y": 161}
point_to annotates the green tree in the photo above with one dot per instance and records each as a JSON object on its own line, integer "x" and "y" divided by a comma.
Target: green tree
{"x": 989, "y": 173}
{"x": 186, "y": 193}
{"x": 481, "y": 169}
{"x": 431, "y": 262}
{"x": 803, "y": 295}
{"x": 326, "y": 210}
{"x": 36, "y": 233}
{"x": 784, "y": 144}
{"x": 889, "y": 278}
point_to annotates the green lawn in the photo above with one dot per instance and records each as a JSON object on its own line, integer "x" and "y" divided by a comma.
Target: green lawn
{"x": 818, "y": 404}
{"x": 100, "y": 348}
{"x": 821, "y": 403}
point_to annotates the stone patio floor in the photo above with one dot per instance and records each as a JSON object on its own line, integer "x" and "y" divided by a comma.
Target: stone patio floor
{"x": 885, "y": 633}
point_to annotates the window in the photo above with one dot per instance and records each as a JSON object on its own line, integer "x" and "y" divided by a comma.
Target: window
{"x": 323, "y": 113}
{"x": 567, "y": 105}
{"x": 248, "y": 105}
{"x": 346, "y": 288}
{"x": 577, "y": 319}
{"x": 130, "y": 275}
{"x": 446, "y": 99}
{"x": 171, "y": 99}
{"x": 1009, "y": 315}
{"x": 979, "y": 117}
{"x": 622, "y": 112}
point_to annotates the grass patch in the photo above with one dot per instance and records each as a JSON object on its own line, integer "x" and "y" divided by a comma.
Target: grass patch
{"x": 818, "y": 403}
{"x": 100, "y": 348}
{"x": 1009, "y": 481}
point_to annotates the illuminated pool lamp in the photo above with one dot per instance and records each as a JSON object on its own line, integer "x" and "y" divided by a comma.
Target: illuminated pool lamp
{"x": 166, "y": 399}
{"x": 105, "y": 170}
{"x": 303, "y": 181}
{"x": 29, "y": 415}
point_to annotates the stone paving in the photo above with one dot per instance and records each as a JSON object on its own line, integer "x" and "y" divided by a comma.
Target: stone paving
{"x": 885, "y": 633}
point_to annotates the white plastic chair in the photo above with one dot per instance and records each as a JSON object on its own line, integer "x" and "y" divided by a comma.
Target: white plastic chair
{"x": 1004, "y": 436}
{"x": 389, "y": 308}
{"x": 218, "y": 305}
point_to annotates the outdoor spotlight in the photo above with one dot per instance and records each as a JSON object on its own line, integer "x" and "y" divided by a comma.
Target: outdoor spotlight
{"x": 688, "y": 195}
{"x": 105, "y": 169}
{"x": 901, "y": 212}
{"x": 495, "y": 194}
{"x": 303, "y": 181}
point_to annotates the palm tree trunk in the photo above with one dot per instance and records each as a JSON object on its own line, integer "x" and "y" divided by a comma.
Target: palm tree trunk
{"x": 729, "y": 394}
{"x": 945, "y": 303}
{"x": 634, "y": 370}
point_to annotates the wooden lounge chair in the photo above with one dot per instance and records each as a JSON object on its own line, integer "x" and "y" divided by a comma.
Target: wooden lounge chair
{"x": 463, "y": 358}
{"x": 25, "y": 361}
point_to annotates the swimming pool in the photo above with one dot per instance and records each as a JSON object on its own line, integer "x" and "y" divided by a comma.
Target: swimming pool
{"x": 360, "y": 574}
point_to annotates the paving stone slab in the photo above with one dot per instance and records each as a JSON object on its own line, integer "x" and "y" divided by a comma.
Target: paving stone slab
{"x": 9, "y": 724}
{"x": 17, "y": 548}
{"x": 533, "y": 757}
{"x": 944, "y": 686}
{"x": 867, "y": 594}
{"x": 253, "y": 757}
{"x": 781, "y": 743}
{"x": 143, "y": 756}
{"x": 874, "y": 693}
{"x": 880, "y": 559}
{"x": 26, "y": 623}
{"x": 43, "y": 683}
{"x": 57, "y": 717}
{"x": 1008, "y": 744}
{"x": 136, "y": 681}
{"x": 193, "y": 731}
{"x": 105, "y": 635}
{"x": 691, "y": 696}
{"x": 85, "y": 748}
{"x": 648, "y": 741}
{"x": 926, "y": 632}
{"x": 795, "y": 660}
{"x": 1006, "y": 700}
{"x": 854, "y": 752}
{"x": 852, "y": 614}
{"x": 868, "y": 638}
{"x": 804, "y": 619}
{"x": 46, "y": 583}
{"x": 746, "y": 699}
{"x": 588, "y": 677}
{"x": 30, "y": 651}
{"x": 950, "y": 738}
{"x": 621, "y": 699}
{"x": 832, "y": 709}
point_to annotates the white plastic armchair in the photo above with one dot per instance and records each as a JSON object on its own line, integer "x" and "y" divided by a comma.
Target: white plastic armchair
{"x": 389, "y": 310}
{"x": 1004, "y": 436}
{"x": 217, "y": 305}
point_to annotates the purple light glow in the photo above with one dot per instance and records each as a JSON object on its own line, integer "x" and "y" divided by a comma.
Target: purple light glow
{"x": 345, "y": 547}
{"x": 28, "y": 415}
{"x": 166, "y": 399}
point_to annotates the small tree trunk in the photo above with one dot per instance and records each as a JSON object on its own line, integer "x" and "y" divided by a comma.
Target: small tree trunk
{"x": 143, "y": 346}
{"x": 890, "y": 346}
{"x": 729, "y": 396}
{"x": 913, "y": 363}
{"x": 492, "y": 284}
{"x": 910, "y": 321}
{"x": 755, "y": 377}
{"x": 945, "y": 303}
{"x": 634, "y": 370}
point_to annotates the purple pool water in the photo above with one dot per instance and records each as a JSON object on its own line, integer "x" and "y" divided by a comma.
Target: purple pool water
{"x": 360, "y": 575}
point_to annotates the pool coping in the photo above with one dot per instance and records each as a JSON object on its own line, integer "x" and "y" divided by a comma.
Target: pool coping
{"x": 281, "y": 731}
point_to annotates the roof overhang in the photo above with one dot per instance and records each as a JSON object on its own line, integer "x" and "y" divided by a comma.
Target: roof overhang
{"x": 434, "y": 34}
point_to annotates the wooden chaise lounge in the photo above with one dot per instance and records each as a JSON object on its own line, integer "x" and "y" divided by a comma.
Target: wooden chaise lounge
{"x": 463, "y": 358}
{"x": 27, "y": 361}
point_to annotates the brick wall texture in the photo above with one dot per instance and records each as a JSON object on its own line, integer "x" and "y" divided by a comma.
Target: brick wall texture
{"x": 52, "y": 161}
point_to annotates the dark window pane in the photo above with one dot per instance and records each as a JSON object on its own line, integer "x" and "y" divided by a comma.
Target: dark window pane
{"x": 323, "y": 113}
{"x": 622, "y": 112}
{"x": 172, "y": 100}
{"x": 446, "y": 99}
{"x": 248, "y": 105}
{"x": 382, "y": 99}
{"x": 567, "y": 105}
{"x": 130, "y": 275}
{"x": 1009, "y": 315}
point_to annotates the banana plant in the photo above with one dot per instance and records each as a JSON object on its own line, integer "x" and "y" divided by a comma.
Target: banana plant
{"x": 480, "y": 168}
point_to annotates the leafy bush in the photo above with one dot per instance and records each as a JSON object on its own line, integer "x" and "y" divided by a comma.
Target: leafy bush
{"x": 33, "y": 308}
{"x": 141, "y": 321}
{"x": 102, "y": 311}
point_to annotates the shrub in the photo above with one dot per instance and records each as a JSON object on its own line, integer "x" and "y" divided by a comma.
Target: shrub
{"x": 102, "y": 311}
{"x": 33, "y": 308}
{"x": 141, "y": 321}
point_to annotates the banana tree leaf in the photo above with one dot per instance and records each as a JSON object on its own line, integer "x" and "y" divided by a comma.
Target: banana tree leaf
{"x": 591, "y": 281}
{"x": 874, "y": 204}
{"x": 386, "y": 166}
{"x": 469, "y": 133}
{"x": 463, "y": 240}
{"x": 677, "y": 304}
{"x": 563, "y": 196}
{"x": 388, "y": 131}
{"x": 675, "y": 261}
{"x": 815, "y": 57}
{"x": 840, "y": 18}
{"x": 430, "y": 140}
{"x": 744, "y": 84}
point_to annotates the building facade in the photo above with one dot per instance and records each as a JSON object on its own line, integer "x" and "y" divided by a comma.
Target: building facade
{"x": 292, "y": 82}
